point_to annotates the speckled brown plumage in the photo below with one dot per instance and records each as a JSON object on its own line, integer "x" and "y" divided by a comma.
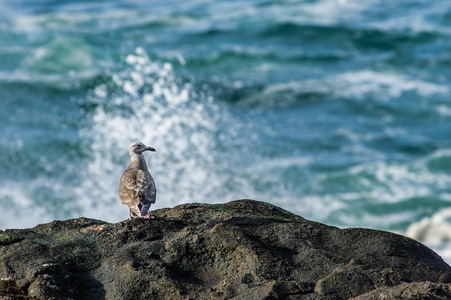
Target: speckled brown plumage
{"x": 137, "y": 188}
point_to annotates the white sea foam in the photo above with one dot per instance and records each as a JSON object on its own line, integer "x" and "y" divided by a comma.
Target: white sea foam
{"x": 332, "y": 11}
{"x": 384, "y": 85}
{"x": 62, "y": 62}
{"x": 418, "y": 18}
{"x": 434, "y": 231}
{"x": 60, "y": 55}
{"x": 186, "y": 128}
{"x": 19, "y": 206}
{"x": 380, "y": 184}
{"x": 444, "y": 110}
{"x": 166, "y": 113}
{"x": 75, "y": 20}
{"x": 381, "y": 86}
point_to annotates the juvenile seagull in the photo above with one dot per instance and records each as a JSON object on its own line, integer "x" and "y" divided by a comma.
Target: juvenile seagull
{"x": 137, "y": 188}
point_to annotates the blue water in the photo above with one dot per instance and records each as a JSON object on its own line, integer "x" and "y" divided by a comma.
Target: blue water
{"x": 339, "y": 111}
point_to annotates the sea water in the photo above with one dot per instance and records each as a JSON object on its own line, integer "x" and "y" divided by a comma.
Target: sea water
{"x": 336, "y": 110}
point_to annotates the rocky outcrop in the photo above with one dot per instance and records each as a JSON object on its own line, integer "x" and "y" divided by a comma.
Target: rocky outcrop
{"x": 239, "y": 250}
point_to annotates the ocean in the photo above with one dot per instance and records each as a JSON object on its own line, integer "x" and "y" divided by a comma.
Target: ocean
{"x": 336, "y": 110}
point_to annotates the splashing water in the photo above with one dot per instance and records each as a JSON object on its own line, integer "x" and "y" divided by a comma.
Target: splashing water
{"x": 157, "y": 108}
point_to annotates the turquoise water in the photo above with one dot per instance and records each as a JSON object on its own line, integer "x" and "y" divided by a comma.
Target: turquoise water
{"x": 339, "y": 111}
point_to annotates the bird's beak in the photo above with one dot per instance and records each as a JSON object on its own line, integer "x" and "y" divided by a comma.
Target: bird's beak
{"x": 150, "y": 149}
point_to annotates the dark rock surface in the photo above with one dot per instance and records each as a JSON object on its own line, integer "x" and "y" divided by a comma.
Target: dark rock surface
{"x": 239, "y": 250}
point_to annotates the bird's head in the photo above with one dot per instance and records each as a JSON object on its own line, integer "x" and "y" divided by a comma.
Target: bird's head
{"x": 139, "y": 148}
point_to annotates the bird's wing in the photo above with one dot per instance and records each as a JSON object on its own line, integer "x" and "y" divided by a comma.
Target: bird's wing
{"x": 129, "y": 189}
{"x": 148, "y": 187}
{"x": 136, "y": 186}
{"x": 142, "y": 180}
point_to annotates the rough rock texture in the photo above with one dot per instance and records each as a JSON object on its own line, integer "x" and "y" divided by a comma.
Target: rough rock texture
{"x": 239, "y": 250}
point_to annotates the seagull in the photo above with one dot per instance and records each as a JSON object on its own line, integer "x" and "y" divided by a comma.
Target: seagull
{"x": 137, "y": 188}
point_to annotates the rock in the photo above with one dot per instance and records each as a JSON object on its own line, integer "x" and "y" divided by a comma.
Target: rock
{"x": 10, "y": 286}
{"x": 415, "y": 290}
{"x": 243, "y": 249}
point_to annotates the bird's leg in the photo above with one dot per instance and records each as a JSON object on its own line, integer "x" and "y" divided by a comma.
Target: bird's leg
{"x": 145, "y": 211}
{"x": 132, "y": 215}
{"x": 134, "y": 212}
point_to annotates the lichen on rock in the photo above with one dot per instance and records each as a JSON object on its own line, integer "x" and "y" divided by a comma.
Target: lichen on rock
{"x": 243, "y": 249}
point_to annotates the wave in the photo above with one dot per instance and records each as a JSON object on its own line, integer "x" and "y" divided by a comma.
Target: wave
{"x": 344, "y": 36}
{"x": 367, "y": 191}
{"x": 63, "y": 63}
{"x": 252, "y": 58}
{"x": 21, "y": 206}
{"x": 356, "y": 86}
{"x": 434, "y": 231}
{"x": 153, "y": 105}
